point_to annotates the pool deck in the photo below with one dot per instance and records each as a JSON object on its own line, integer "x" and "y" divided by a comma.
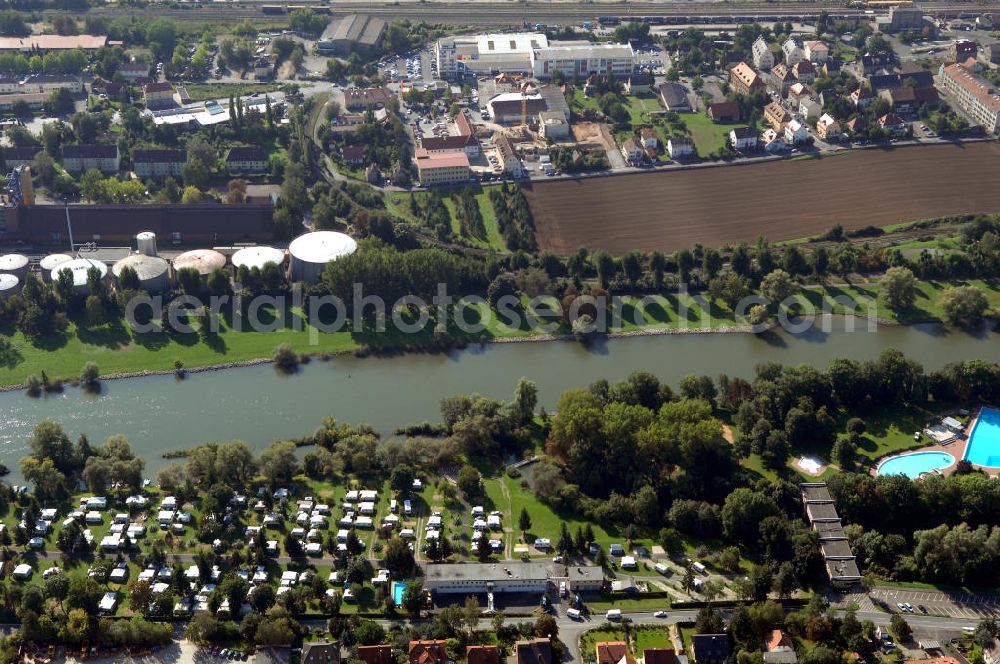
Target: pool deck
{"x": 956, "y": 448}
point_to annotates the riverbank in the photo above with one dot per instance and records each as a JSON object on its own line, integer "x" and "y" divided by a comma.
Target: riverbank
{"x": 121, "y": 354}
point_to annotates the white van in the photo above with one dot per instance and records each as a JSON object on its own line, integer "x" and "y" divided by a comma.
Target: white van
{"x": 574, "y": 614}
{"x": 698, "y": 567}
{"x": 614, "y": 614}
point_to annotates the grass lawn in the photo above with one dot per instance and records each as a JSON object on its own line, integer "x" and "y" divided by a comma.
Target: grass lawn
{"x": 204, "y": 91}
{"x": 708, "y": 136}
{"x": 590, "y": 639}
{"x": 398, "y": 204}
{"x": 650, "y": 636}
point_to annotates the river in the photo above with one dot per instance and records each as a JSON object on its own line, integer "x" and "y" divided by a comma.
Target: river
{"x": 258, "y": 405}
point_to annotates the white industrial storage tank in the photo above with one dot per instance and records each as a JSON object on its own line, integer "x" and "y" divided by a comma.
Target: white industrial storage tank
{"x": 313, "y": 251}
{"x": 258, "y": 257}
{"x": 203, "y": 260}
{"x": 80, "y": 267}
{"x": 9, "y": 285}
{"x": 153, "y": 271}
{"x": 51, "y": 262}
{"x": 146, "y": 243}
{"x": 16, "y": 264}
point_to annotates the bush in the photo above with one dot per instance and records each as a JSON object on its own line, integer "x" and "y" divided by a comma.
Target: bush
{"x": 90, "y": 376}
{"x": 285, "y": 358}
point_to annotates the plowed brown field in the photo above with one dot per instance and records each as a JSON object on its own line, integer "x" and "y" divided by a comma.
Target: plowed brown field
{"x": 781, "y": 200}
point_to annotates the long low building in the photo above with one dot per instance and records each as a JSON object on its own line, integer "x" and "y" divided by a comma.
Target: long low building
{"x": 355, "y": 33}
{"x": 973, "y": 94}
{"x": 510, "y": 577}
{"x": 616, "y": 60}
{"x": 435, "y": 168}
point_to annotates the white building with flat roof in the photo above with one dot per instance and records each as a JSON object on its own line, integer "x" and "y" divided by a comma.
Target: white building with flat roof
{"x": 575, "y": 59}
{"x": 486, "y": 53}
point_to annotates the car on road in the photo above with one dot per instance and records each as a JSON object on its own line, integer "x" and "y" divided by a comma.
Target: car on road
{"x": 921, "y": 608}
{"x": 660, "y": 614}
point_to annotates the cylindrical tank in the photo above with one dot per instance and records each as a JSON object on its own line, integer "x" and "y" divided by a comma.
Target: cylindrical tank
{"x": 16, "y": 264}
{"x": 310, "y": 253}
{"x": 258, "y": 257}
{"x": 79, "y": 267}
{"x": 203, "y": 260}
{"x": 153, "y": 271}
{"x": 146, "y": 243}
{"x": 9, "y": 285}
{"x": 51, "y": 262}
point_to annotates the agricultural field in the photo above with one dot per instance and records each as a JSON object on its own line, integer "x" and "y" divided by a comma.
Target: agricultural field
{"x": 719, "y": 206}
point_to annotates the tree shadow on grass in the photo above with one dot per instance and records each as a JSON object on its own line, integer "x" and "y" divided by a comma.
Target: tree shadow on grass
{"x": 112, "y": 335}
{"x": 51, "y": 342}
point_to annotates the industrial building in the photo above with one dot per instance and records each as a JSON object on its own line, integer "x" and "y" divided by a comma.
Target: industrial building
{"x": 51, "y": 262}
{"x": 355, "y": 33}
{"x": 510, "y": 576}
{"x": 841, "y": 566}
{"x": 80, "y": 269}
{"x": 257, "y": 257}
{"x": 205, "y": 261}
{"x": 435, "y": 168}
{"x": 9, "y": 285}
{"x": 16, "y": 264}
{"x": 487, "y": 53}
{"x": 153, "y": 271}
{"x": 904, "y": 18}
{"x": 312, "y": 252}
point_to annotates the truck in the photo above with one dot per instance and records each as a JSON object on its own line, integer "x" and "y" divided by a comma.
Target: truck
{"x": 613, "y": 614}
{"x": 574, "y": 614}
{"x": 586, "y": 25}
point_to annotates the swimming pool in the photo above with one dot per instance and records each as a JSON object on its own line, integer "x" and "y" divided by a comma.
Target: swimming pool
{"x": 398, "y": 588}
{"x": 984, "y": 441}
{"x": 916, "y": 464}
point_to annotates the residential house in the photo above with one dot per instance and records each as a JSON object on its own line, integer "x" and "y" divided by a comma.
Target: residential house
{"x": 134, "y": 71}
{"x": 710, "y": 648}
{"x": 780, "y": 79}
{"x": 962, "y": 50}
{"x": 482, "y": 654}
{"x": 779, "y": 640}
{"x": 632, "y": 151}
{"x": 158, "y": 94}
{"x": 361, "y": 99}
{"x": 858, "y": 125}
{"x": 639, "y": 83}
{"x": 912, "y": 74}
{"x": 831, "y": 67}
{"x": 158, "y": 163}
{"x": 804, "y": 71}
{"x": 16, "y": 156}
{"x": 893, "y": 124}
{"x": 353, "y": 155}
{"x": 612, "y": 652}
{"x": 320, "y": 652}
{"x": 867, "y": 64}
{"x": 973, "y": 94}
{"x": 744, "y": 80}
{"x": 507, "y": 156}
{"x": 680, "y": 147}
{"x": 80, "y": 158}
{"x": 810, "y": 108}
{"x": 247, "y": 159}
{"x": 773, "y": 142}
{"x": 659, "y": 656}
{"x": 776, "y": 115}
{"x": 441, "y": 167}
{"x": 816, "y": 51}
{"x": 50, "y": 83}
{"x": 884, "y": 81}
{"x": 793, "y": 53}
{"x": 743, "y": 138}
{"x": 796, "y": 132}
{"x": 533, "y": 651}
{"x": 724, "y": 111}
{"x": 428, "y": 652}
{"x": 467, "y": 144}
{"x": 375, "y": 654}
{"x": 649, "y": 139}
{"x": 862, "y": 97}
{"x": 763, "y": 57}
{"x": 373, "y": 175}
{"x": 674, "y": 97}
{"x": 799, "y": 90}
{"x": 828, "y": 128}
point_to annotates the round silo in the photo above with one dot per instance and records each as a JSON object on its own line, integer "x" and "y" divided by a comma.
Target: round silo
{"x": 310, "y": 253}
{"x": 258, "y": 257}
{"x": 146, "y": 243}
{"x": 203, "y": 260}
{"x": 51, "y": 262}
{"x": 80, "y": 267}
{"x": 9, "y": 285}
{"x": 16, "y": 264}
{"x": 153, "y": 271}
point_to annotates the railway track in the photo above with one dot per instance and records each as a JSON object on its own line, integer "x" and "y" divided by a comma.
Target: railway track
{"x": 506, "y": 13}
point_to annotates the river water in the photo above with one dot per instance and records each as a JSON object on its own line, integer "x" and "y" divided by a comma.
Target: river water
{"x": 258, "y": 405}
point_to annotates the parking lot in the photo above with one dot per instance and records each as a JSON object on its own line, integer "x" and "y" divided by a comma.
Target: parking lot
{"x": 936, "y": 602}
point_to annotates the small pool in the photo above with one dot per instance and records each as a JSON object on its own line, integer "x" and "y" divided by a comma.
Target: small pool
{"x": 398, "y": 588}
{"x": 916, "y": 464}
{"x": 984, "y": 441}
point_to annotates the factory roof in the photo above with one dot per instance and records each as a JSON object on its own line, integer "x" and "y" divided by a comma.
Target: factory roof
{"x": 585, "y": 51}
{"x": 488, "y": 571}
{"x": 359, "y": 28}
{"x": 323, "y": 246}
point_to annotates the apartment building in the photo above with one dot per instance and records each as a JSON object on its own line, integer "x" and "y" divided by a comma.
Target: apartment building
{"x": 973, "y": 94}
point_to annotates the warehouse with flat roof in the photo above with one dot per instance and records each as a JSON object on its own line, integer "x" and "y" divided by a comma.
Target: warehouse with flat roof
{"x": 358, "y": 33}
{"x": 509, "y": 576}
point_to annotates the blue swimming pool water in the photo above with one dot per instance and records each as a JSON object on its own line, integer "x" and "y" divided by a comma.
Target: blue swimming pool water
{"x": 398, "y": 588}
{"x": 984, "y": 442}
{"x": 915, "y": 464}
